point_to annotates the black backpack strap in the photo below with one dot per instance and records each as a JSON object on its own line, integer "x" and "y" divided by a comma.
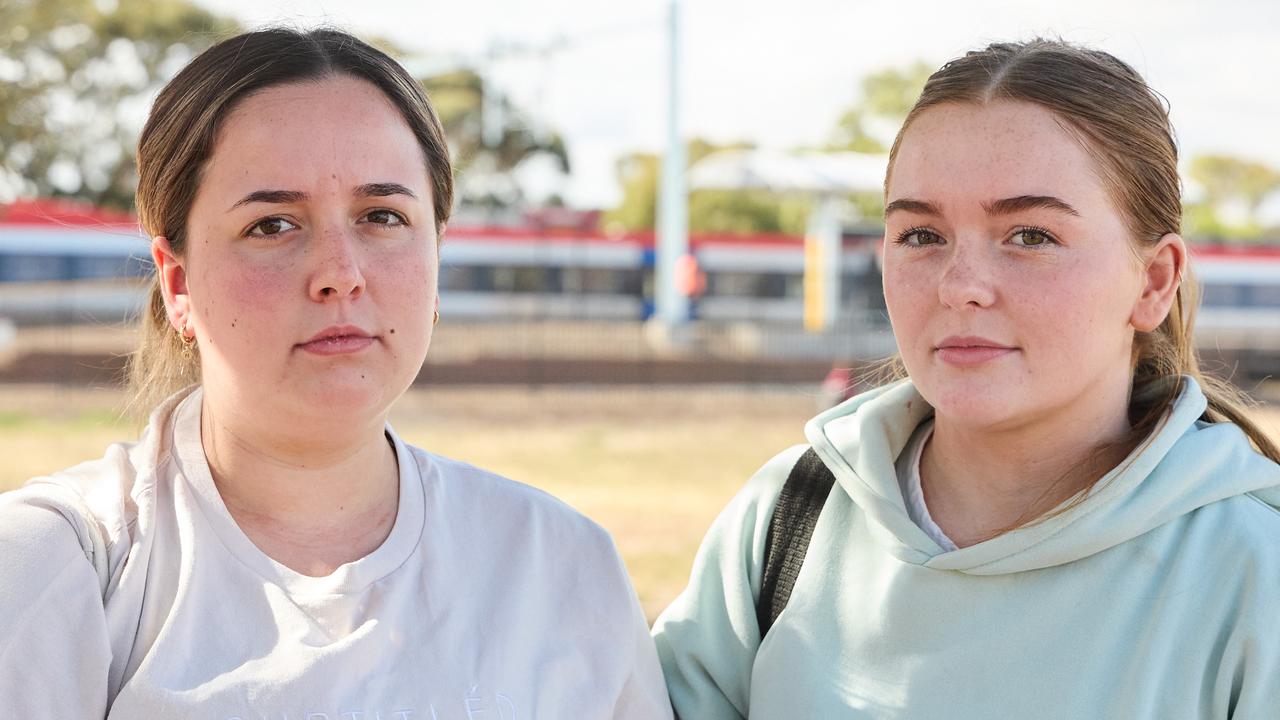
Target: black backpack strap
{"x": 790, "y": 529}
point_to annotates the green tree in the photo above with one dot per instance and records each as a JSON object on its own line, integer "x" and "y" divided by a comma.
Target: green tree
{"x": 1229, "y": 181}
{"x": 638, "y": 175}
{"x": 711, "y": 211}
{"x": 885, "y": 99}
{"x": 460, "y": 100}
{"x": 76, "y": 77}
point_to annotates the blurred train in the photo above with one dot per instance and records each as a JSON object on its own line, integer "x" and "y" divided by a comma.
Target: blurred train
{"x": 503, "y": 273}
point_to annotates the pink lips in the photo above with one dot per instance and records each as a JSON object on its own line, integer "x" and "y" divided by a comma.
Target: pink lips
{"x": 338, "y": 340}
{"x": 967, "y": 351}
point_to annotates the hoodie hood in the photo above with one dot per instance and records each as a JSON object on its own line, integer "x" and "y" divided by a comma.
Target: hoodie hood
{"x": 1186, "y": 465}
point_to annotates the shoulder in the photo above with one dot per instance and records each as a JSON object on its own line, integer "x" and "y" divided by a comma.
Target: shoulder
{"x": 55, "y": 555}
{"x": 1247, "y": 527}
{"x": 759, "y": 495}
{"x": 1233, "y": 550}
{"x": 735, "y": 543}
{"x": 95, "y": 496}
{"x": 517, "y": 535}
{"x": 93, "y": 508}
{"x": 1236, "y": 542}
{"x": 40, "y": 529}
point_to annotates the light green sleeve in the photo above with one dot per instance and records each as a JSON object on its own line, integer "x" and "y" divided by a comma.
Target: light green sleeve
{"x": 1248, "y": 682}
{"x": 707, "y": 638}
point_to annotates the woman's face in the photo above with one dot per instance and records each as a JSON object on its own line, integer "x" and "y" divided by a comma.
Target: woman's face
{"x": 311, "y": 267}
{"x": 1010, "y": 277}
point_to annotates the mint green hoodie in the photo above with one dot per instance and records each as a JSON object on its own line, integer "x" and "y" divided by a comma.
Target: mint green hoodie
{"x": 1156, "y": 597}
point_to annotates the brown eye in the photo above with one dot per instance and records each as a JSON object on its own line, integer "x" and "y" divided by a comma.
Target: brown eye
{"x": 919, "y": 237}
{"x": 384, "y": 217}
{"x": 271, "y": 227}
{"x": 1030, "y": 237}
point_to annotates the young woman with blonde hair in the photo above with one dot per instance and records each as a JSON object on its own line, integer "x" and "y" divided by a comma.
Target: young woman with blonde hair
{"x": 270, "y": 547}
{"x": 1055, "y": 514}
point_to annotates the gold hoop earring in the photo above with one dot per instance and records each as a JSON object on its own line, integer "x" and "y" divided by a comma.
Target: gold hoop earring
{"x": 188, "y": 346}
{"x": 435, "y": 320}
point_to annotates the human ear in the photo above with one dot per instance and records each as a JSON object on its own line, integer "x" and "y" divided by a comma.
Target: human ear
{"x": 172, "y": 275}
{"x": 1163, "y": 271}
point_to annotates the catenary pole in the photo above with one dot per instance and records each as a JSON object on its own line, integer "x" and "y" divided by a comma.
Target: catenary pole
{"x": 671, "y": 305}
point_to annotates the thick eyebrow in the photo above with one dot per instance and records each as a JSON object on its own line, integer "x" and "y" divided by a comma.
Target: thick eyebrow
{"x": 286, "y": 197}
{"x": 279, "y": 197}
{"x": 1008, "y": 206}
{"x": 915, "y": 206}
{"x": 383, "y": 190}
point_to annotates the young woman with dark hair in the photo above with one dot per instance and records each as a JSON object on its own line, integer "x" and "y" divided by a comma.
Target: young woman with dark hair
{"x": 270, "y": 548}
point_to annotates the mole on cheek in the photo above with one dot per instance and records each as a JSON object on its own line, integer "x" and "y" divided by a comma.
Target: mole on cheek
{"x": 393, "y": 331}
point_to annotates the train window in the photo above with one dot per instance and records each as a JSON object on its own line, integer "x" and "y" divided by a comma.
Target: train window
{"x": 466, "y": 278}
{"x": 610, "y": 281}
{"x": 1267, "y": 296}
{"x": 136, "y": 266}
{"x": 753, "y": 285}
{"x": 862, "y": 290}
{"x": 541, "y": 279}
{"x": 1221, "y": 295}
{"x": 93, "y": 267}
{"x": 520, "y": 279}
{"x": 794, "y": 286}
{"x": 630, "y": 281}
{"x": 730, "y": 284}
{"x": 554, "y": 280}
{"x": 28, "y": 268}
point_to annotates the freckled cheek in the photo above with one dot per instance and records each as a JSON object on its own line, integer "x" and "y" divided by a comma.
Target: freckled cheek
{"x": 911, "y": 298}
{"x": 242, "y": 301}
{"x": 1058, "y": 319}
{"x": 403, "y": 286}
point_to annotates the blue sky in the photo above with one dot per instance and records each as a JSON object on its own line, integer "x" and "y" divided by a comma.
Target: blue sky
{"x": 780, "y": 73}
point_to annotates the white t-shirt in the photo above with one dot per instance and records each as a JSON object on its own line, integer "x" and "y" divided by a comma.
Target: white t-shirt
{"x": 908, "y": 468}
{"x": 128, "y": 591}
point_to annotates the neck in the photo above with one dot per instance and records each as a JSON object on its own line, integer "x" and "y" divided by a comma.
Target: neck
{"x": 980, "y": 482}
{"x": 310, "y": 500}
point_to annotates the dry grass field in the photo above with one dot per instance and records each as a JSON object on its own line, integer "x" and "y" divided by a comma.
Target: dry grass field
{"x": 654, "y": 467}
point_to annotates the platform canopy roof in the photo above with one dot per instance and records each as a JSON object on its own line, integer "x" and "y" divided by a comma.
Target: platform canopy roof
{"x": 789, "y": 172}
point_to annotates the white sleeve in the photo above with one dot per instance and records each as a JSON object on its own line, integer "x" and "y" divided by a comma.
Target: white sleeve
{"x": 54, "y": 649}
{"x": 644, "y": 695}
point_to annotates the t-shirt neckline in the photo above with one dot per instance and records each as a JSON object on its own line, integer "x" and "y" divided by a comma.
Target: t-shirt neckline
{"x": 913, "y": 489}
{"x": 351, "y": 577}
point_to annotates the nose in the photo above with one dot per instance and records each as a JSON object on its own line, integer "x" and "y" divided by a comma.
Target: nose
{"x": 336, "y": 272}
{"x": 967, "y": 278}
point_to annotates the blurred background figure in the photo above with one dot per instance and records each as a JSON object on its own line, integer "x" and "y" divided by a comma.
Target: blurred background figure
{"x": 667, "y": 231}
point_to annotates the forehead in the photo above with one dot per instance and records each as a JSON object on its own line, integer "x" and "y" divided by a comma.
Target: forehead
{"x": 958, "y": 152}
{"x": 338, "y": 127}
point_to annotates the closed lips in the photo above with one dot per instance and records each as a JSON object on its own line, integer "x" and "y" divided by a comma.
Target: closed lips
{"x": 337, "y": 332}
{"x": 966, "y": 343}
{"x": 338, "y": 341}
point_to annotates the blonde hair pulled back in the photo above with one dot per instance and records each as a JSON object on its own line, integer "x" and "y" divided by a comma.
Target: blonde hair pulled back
{"x": 1124, "y": 125}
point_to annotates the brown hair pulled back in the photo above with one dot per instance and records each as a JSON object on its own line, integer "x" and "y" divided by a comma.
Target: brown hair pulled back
{"x": 1124, "y": 125}
{"x": 179, "y": 137}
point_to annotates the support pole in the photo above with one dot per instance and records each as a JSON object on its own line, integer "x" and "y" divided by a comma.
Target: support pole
{"x": 822, "y": 263}
{"x": 672, "y": 306}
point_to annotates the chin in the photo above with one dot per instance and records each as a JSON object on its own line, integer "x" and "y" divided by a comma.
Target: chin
{"x": 351, "y": 391}
{"x": 974, "y": 404}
